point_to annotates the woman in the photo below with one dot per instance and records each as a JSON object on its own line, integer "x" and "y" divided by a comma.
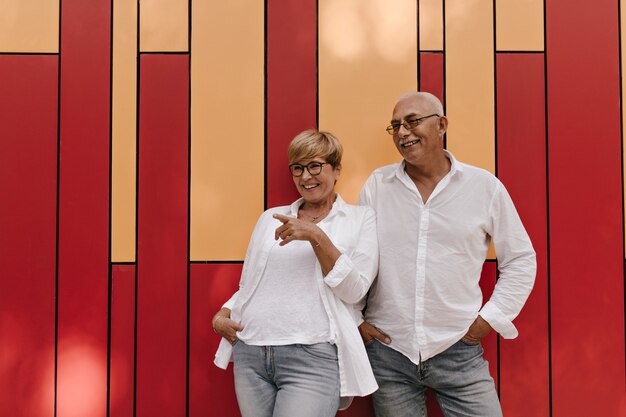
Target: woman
{"x": 291, "y": 327}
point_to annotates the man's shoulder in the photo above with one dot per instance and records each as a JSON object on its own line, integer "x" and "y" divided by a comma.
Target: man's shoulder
{"x": 474, "y": 173}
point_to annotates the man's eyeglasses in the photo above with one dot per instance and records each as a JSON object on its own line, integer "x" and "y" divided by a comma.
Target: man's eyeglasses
{"x": 314, "y": 168}
{"x": 409, "y": 124}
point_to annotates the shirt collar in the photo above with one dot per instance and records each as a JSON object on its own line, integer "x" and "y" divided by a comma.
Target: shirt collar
{"x": 339, "y": 206}
{"x": 455, "y": 167}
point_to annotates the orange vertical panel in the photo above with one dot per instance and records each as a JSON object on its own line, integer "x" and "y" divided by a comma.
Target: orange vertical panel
{"x": 164, "y": 25}
{"x": 519, "y": 25}
{"x": 470, "y": 82}
{"x": 367, "y": 59}
{"x": 227, "y": 127}
{"x": 29, "y": 26}
{"x": 124, "y": 131}
{"x": 431, "y": 25}
{"x": 211, "y": 389}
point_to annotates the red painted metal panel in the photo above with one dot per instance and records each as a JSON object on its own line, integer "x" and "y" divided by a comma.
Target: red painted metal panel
{"x": 122, "y": 340}
{"x": 360, "y": 407}
{"x": 490, "y": 342}
{"x": 524, "y": 362}
{"x": 211, "y": 389}
{"x": 432, "y": 405}
{"x": 432, "y": 73}
{"x": 162, "y": 236}
{"x": 28, "y": 171}
{"x": 291, "y": 88}
{"x": 83, "y": 243}
{"x": 585, "y": 215}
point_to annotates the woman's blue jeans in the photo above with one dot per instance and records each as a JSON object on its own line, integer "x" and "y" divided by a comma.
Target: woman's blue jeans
{"x": 459, "y": 377}
{"x": 286, "y": 381}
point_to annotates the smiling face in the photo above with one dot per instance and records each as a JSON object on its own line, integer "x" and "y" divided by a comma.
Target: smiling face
{"x": 324, "y": 148}
{"x": 424, "y": 142}
{"x": 320, "y": 188}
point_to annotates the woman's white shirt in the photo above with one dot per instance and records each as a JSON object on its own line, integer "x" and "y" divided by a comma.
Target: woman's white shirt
{"x": 352, "y": 229}
{"x": 286, "y": 307}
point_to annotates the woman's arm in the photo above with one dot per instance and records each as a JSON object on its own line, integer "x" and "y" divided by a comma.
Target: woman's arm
{"x": 224, "y": 326}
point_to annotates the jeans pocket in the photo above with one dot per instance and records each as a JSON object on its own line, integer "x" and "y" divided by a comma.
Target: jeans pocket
{"x": 326, "y": 351}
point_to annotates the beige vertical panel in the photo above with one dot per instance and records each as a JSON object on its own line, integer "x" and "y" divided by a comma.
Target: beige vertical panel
{"x": 29, "y": 25}
{"x": 164, "y": 25}
{"x": 470, "y": 82}
{"x": 124, "y": 145}
{"x": 431, "y": 25}
{"x": 227, "y": 124}
{"x": 519, "y": 25}
{"x": 470, "y": 103}
{"x": 367, "y": 59}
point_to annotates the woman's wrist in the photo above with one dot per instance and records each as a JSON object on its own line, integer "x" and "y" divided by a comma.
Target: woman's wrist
{"x": 316, "y": 241}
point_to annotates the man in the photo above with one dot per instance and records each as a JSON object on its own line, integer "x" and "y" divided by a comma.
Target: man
{"x": 424, "y": 321}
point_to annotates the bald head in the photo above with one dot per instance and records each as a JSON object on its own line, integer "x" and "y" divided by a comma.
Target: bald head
{"x": 427, "y": 99}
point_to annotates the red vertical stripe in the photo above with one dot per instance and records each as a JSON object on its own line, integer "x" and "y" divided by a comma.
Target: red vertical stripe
{"x": 122, "y": 340}
{"x": 585, "y": 216}
{"x": 431, "y": 73}
{"x": 490, "y": 342}
{"x": 162, "y": 236}
{"x": 83, "y": 246}
{"x": 291, "y": 87}
{"x": 360, "y": 407}
{"x": 524, "y": 362}
{"x": 211, "y": 389}
{"x": 28, "y": 170}
{"x": 432, "y": 405}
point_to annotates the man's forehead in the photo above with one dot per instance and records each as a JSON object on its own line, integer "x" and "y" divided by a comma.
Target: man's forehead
{"x": 413, "y": 106}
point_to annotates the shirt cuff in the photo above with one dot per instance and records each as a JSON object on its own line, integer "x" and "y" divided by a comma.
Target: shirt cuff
{"x": 498, "y": 321}
{"x": 340, "y": 271}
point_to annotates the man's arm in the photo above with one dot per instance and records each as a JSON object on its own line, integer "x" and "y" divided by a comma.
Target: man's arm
{"x": 517, "y": 266}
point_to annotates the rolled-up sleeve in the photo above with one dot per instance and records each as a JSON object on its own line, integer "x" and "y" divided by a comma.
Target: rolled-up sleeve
{"x": 517, "y": 266}
{"x": 354, "y": 272}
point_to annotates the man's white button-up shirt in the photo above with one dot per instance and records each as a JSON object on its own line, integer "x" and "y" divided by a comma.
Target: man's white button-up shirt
{"x": 427, "y": 292}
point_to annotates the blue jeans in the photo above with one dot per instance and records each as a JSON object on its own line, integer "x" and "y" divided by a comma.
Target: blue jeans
{"x": 459, "y": 377}
{"x": 286, "y": 381}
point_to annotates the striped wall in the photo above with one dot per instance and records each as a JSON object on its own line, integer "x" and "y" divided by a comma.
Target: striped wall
{"x": 141, "y": 140}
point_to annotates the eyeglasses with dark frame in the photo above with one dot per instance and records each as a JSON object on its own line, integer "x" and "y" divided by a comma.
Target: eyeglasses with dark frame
{"x": 409, "y": 124}
{"x": 314, "y": 168}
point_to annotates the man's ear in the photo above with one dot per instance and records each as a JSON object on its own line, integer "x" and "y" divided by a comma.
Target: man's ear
{"x": 442, "y": 124}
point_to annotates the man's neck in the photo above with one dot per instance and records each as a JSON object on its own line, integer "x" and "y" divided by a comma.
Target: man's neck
{"x": 431, "y": 171}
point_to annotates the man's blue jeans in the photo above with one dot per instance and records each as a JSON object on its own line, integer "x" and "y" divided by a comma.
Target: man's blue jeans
{"x": 459, "y": 377}
{"x": 286, "y": 381}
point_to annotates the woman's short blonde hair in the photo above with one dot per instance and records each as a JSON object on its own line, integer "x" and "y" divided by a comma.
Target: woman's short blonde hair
{"x": 314, "y": 143}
